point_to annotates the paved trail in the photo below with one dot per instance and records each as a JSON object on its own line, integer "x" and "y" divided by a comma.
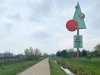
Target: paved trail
{"x": 41, "y": 68}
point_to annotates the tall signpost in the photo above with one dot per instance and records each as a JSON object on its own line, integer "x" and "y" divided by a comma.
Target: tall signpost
{"x": 75, "y": 24}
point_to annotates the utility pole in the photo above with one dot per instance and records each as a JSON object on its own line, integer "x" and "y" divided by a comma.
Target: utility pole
{"x": 78, "y": 56}
{"x": 79, "y": 17}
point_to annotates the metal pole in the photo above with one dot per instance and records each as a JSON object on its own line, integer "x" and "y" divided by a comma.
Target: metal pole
{"x": 78, "y": 65}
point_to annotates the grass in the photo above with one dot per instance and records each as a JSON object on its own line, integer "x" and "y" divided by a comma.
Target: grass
{"x": 13, "y": 69}
{"x": 90, "y": 67}
{"x": 55, "y": 69}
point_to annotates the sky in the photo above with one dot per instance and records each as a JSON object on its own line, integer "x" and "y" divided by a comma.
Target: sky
{"x": 42, "y": 24}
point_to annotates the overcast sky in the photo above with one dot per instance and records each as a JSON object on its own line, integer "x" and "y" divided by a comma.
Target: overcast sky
{"x": 41, "y": 24}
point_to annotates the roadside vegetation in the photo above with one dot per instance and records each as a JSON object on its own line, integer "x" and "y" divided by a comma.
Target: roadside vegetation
{"x": 55, "y": 69}
{"x": 13, "y": 69}
{"x": 89, "y": 60}
{"x": 87, "y": 67}
{"x": 11, "y": 64}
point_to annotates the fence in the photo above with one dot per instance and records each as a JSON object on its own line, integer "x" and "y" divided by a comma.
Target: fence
{"x": 11, "y": 60}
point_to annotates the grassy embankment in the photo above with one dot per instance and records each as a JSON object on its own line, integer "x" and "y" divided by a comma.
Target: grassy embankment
{"x": 55, "y": 69}
{"x": 13, "y": 69}
{"x": 87, "y": 66}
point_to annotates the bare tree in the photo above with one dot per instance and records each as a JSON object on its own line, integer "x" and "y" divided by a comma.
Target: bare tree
{"x": 97, "y": 49}
{"x": 37, "y": 53}
{"x": 32, "y": 53}
{"x": 29, "y": 53}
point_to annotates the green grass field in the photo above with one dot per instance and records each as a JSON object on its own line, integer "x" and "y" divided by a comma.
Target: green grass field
{"x": 55, "y": 69}
{"x": 87, "y": 66}
{"x": 13, "y": 69}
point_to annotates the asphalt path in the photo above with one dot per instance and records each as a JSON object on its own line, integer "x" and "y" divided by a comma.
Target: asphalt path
{"x": 41, "y": 68}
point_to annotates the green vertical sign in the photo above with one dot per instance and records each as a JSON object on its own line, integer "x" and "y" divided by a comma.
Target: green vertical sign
{"x": 78, "y": 41}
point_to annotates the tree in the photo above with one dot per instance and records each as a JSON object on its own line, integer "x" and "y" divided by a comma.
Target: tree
{"x": 64, "y": 53}
{"x": 97, "y": 49}
{"x": 71, "y": 53}
{"x": 37, "y": 53}
{"x": 84, "y": 52}
{"x": 45, "y": 55}
{"x": 58, "y": 54}
{"x": 29, "y": 53}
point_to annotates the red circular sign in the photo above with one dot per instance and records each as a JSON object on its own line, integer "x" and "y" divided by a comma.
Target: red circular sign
{"x": 72, "y": 25}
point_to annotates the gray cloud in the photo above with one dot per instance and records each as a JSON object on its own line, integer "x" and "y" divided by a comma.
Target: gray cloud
{"x": 41, "y": 35}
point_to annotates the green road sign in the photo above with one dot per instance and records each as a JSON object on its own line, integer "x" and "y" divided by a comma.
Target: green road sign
{"x": 79, "y": 17}
{"x": 78, "y": 41}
